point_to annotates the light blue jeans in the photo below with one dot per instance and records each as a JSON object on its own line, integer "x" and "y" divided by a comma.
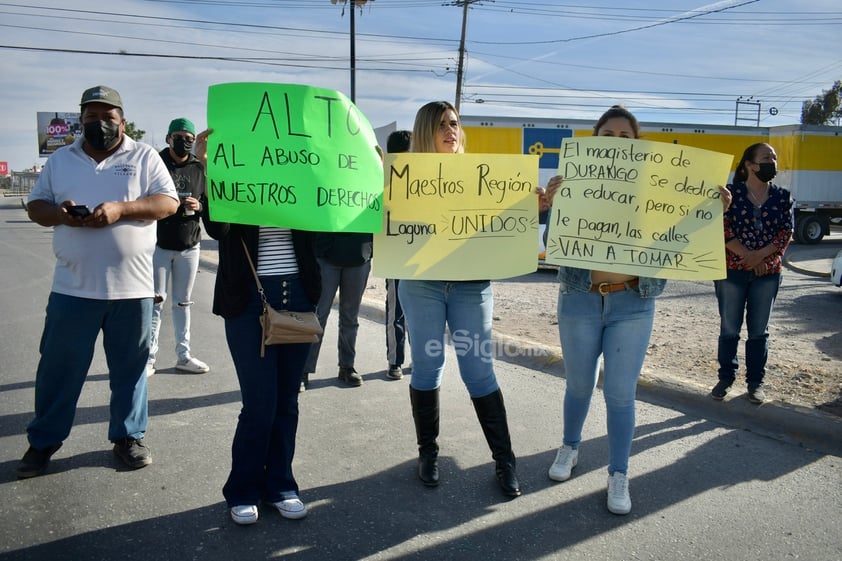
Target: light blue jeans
{"x": 67, "y": 348}
{"x": 465, "y": 308}
{"x": 176, "y": 268}
{"x": 617, "y": 327}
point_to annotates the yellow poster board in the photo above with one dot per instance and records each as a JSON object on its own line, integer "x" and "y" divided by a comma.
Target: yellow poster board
{"x": 639, "y": 207}
{"x": 458, "y": 217}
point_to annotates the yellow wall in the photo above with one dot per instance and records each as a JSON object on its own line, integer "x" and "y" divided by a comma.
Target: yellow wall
{"x": 811, "y": 152}
{"x": 734, "y": 145}
{"x": 498, "y": 140}
{"x": 795, "y": 150}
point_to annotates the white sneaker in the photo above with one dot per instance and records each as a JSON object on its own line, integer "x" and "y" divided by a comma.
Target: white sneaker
{"x": 619, "y": 501}
{"x": 150, "y": 370}
{"x": 244, "y": 514}
{"x": 565, "y": 460}
{"x": 291, "y": 507}
{"x": 192, "y": 365}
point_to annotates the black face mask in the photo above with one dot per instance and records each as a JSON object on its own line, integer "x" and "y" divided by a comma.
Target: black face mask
{"x": 766, "y": 172}
{"x": 102, "y": 135}
{"x": 181, "y": 146}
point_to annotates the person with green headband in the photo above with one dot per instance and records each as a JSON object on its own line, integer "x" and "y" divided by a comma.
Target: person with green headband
{"x": 176, "y": 259}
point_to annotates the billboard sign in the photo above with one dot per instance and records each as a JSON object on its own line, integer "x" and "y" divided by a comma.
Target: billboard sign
{"x": 56, "y": 130}
{"x": 4, "y": 168}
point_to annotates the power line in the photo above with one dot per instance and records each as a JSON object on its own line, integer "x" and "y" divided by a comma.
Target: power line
{"x": 689, "y": 15}
{"x": 272, "y": 61}
{"x": 435, "y": 63}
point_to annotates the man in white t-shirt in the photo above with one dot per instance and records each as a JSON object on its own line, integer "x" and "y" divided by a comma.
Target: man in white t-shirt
{"x": 103, "y": 195}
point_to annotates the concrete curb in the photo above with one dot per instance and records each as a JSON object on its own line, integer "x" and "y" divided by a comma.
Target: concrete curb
{"x": 795, "y": 268}
{"x": 806, "y": 427}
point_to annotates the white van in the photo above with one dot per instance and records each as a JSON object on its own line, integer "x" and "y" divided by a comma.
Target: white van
{"x": 836, "y": 270}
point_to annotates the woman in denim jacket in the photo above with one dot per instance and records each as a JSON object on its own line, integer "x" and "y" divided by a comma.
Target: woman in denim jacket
{"x": 465, "y": 307}
{"x": 610, "y": 315}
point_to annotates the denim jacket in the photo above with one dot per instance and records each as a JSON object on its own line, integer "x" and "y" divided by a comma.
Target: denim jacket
{"x": 572, "y": 279}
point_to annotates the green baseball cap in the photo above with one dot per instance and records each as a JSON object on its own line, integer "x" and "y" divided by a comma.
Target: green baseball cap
{"x": 181, "y": 124}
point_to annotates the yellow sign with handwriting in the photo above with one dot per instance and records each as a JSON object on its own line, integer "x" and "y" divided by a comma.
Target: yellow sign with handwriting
{"x": 458, "y": 217}
{"x": 638, "y": 207}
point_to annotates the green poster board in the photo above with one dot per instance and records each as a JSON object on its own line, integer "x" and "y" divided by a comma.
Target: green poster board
{"x": 292, "y": 156}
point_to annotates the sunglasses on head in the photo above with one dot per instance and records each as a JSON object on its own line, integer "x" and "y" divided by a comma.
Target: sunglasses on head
{"x": 758, "y": 218}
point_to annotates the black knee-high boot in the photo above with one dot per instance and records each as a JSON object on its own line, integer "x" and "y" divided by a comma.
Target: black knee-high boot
{"x": 491, "y": 412}
{"x": 425, "y": 411}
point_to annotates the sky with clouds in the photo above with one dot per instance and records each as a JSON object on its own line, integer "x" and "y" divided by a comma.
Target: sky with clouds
{"x": 667, "y": 60}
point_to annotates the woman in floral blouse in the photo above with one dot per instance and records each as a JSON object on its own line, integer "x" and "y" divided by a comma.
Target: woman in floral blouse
{"x": 758, "y": 229}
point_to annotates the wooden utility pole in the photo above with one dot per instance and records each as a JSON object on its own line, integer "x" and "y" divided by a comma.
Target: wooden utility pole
{"x": 354, "y": 4}
{"x": 353, "y": 55}
{"x": 459, "y": 70}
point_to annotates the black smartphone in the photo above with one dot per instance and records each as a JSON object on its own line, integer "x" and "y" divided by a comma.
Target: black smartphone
{"x": 78, "y": 210}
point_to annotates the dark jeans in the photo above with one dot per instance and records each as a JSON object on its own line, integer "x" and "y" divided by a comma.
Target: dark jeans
{"x": 395, "y": 325}
{"x": 744, "y": 293}
{"x": 351, "y": 283}
{"x": 264, "y": 442}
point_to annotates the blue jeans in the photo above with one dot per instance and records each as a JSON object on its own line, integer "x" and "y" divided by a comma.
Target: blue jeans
{"x": 617, "y": 327}
{"x": 264, "y": 442}
{"x": 179, "y": 269}
{"x": 743, "y": 292}
{"x": 465, "y": 308}
{"x": 351, "y": 283}
{"x": 67, "y": 349}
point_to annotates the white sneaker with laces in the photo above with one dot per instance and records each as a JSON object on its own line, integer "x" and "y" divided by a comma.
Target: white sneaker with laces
{"x": 619, "y": 501}
{"x": 565, "y": 460}
{"x": 244, "y": 514}
{"x": 150, "y": 370}
{"x": 291, "y": 507}
{"x": 192, "y": 365}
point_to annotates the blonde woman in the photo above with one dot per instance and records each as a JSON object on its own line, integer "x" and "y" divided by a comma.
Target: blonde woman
{"x": 465, "y": 307}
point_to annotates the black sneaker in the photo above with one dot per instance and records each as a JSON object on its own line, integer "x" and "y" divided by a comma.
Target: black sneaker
{"x": 350, "y": 377}
{"x": 35, "y": 461}
{"x": 395, "y": 372}
{"x": 720, "y": 390}
{"x": 133, "y": 453}
{"x": 756, "y": 394}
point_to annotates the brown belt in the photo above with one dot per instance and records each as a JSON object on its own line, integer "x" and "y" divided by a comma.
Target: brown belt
{"x": 607, "y": 287}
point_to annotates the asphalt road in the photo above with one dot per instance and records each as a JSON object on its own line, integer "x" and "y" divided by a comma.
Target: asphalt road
{"x": 702, "y": 488}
